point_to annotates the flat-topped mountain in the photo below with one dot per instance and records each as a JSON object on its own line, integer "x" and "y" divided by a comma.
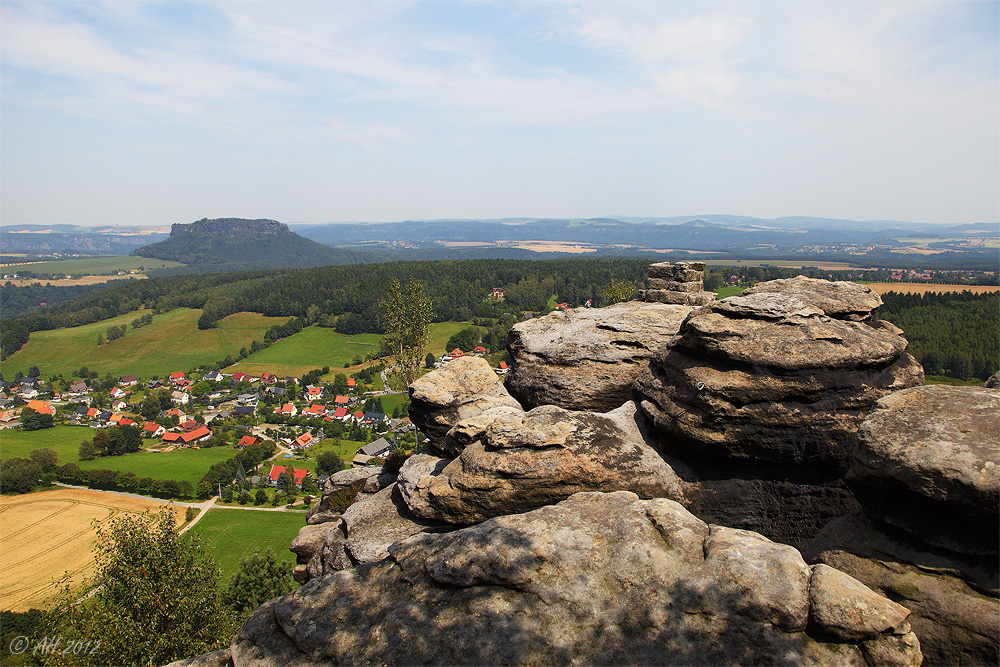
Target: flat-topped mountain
{"x": 235, "y": 244}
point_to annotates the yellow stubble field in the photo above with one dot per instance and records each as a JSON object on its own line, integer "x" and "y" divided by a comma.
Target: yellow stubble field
{"x": 47, "y": 536}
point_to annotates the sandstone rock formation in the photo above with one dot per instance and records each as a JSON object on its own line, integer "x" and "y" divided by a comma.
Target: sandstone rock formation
{"x": 680, "y": 283}
{"x": 926, "y": 472}
{"x": 460, "y": 389}
{"x": 586, "y": 359}
{"x": 523, "y": 461}
{"x": 775, "y": 382}
{"x": 596, "y": 579}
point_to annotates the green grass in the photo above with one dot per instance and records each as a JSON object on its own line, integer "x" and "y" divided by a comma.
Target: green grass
{"x": 313, "y": 347}
{"x": 729, "y": 290}
{"x": 393, "y": 401}
{"x": 232, "y": 535}
{"x": 944, "y": 379}
{"x": 345, "y": 449}
{"x": 439, "y": 335}
{"x": 172, "y": 342}
{"x": 99, "y": 265}
{"x": 63, "y": 440}
{"x": 181, "y": 464}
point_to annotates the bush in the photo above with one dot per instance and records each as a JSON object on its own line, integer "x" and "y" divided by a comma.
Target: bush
{"x": 339, "y": 501}
{"x": 244, "y": 497}
{"x": 260, "y": 497}
{"x": 394, "y": 461}
{"x": 19, "y": 475}
{"x": 190, "y": 513}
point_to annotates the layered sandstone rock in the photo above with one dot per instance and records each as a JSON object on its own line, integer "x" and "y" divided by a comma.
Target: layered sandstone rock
{"x": 587, "y": 359}
{"x": 518, "y": 462}
{"x": 773, "y": 381}
{"x": 680, "y": 283}
{"x": 927, "y": 472}
{"x": 460, "y": 389}
{"x": 596, "y": 579}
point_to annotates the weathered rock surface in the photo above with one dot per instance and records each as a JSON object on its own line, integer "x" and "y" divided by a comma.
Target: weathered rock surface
{"x": 458, "y": 390}
{"x": 680, "y": 283}
{"x": 586, "y": 359}
{"x": 367, "y": 479}
{"x": 775, "y": 383}
{"x": 928, "y": 461}
{"x": 993, "y": 382}
{"x": 527, "y": 460}
{"x": 952, "y": 597}
{"x": 596, "y": 579}
{"x": 362, "y": 535}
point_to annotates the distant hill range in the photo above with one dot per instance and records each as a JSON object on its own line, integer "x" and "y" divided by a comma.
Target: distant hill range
{"x": 235, "y": 244}
{"x": 71, "y": 239}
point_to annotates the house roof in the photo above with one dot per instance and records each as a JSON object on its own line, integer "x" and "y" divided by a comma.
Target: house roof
{"x": 479, "y": 349}
{"x": 503, "y": 365}
{"x": 315, "y": 409}
{"x": 196, "y": 434}
{"x": 351, "y": 382}
{"x": 376, "y": 447}
{"x": 456, "y": 353}
{"x": 239, "y": 377}
{"x": 304, "y": 439}
{"x": 128, "y": 378}
{"x": 177, "y": 375}
{"x": 171, "y": 437}
{"x": 374, "y": 416}
{"x": 287, "y": 407}
{"x": 152, "y": 427}
{"x": 41, "y": 407}
{"x": 246, "y": 441}
{"x": 340, "y": 412}
{"x": 243, "y": 410}
{"x": 314, "y": 391}
{"x": 78, "y": 385}
{"x": 341, "y": 400}
{"x": 298, "y": 474}
{"x": 93, "y": 412}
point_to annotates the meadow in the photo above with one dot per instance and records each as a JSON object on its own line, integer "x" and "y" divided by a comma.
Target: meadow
{"x": 63, "y": 440}
{"x": 313, "y": 347}
{"x": 232, "y": 534}
{"x": 98, "y": 265}
{"x": 49, "y": 535}
{"x": 180, "y": 464}
{"x": 172, "y": 342}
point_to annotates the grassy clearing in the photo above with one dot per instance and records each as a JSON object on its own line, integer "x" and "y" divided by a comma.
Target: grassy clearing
{"x": 181, "y": 464}
{"x": 439, "y": 335}
{"x": 232, "y": 535}
{"x": 63, "y": 440}
{"x": 172, "y": 342}
{"x": 729, "y": 290}
{"x": 99, "y": 265}
{"x": 311, "y": 348}
{"x": 345, "y": 449}
{"x": 955, "y": 382}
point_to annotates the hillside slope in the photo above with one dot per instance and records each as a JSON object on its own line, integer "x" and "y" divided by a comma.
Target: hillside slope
{"x": 235, "y": 244}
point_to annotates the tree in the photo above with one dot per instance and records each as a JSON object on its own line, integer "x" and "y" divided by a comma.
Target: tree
{"x": 328, "y": 463}
{"x": 430, "y": 360}
{"x": 244, "y": 497}
{"x": 19, "y": 475}
{"x": 100, "y": 339}
{"x": 150, "y": 407}
{"x": 260, "y": 578}
{"x": 46, "y": 459}
{"x": 156, "y": 596}
{"x": 286, "y": 482}
{"x": 33, "y": 372}
{"x": 407, "y": 316}
{"x": 87, "y": 451}
{"x": 618, "y": 290}
{"x": 260, "y": 497}
{"x": 33, "y": 421}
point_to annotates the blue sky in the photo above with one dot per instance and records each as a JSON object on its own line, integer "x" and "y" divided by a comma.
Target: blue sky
{"x": 132, "y": 113}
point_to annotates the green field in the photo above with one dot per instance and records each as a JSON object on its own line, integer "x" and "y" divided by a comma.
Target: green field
{"x": 345, "y": 449}
{"x": 172, "y": 342}
{"x": 63, "y": 440}
{"x": 181, "y": 464}
{"x": 729, "y": 290}
{"x": 232, "y": 535}
{"x": 98, "y": 266}
{"x": 311, "y": 348}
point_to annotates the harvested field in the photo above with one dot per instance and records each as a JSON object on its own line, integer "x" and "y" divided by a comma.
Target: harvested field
{"x": 921, "y": 288}
{"x": 69, "y": 282}
{"x": 48, "y": 535}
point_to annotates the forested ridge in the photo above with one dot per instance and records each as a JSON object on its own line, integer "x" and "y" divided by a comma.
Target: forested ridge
{"x": 955, "y": 334}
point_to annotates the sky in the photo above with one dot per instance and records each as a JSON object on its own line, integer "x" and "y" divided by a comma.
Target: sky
{"x": 149, "y": 113}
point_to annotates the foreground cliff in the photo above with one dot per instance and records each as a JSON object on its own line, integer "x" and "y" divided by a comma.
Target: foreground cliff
{"x": 531, "y": 533}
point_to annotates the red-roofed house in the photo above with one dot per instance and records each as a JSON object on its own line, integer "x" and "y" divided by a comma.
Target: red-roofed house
{"x": 190, "y": 425}
{"x": 341, "y": 400}
{"x": 303, "y": 441}
{"x": 314, "y": 392}
{"x": 268, "y": 378}
{"x": 240, "y": 377}
{"x": 172, "y": 437}
{"x": 41, "y": 407}
{"x": 456, "y": 353}
{"x": 341, "y": 414}
{"x": 287, "y": 410}
{"x": 352, "y": 384}
{"x": 358, "y": 416}
{"x": 93, "y": 412}
{"x": 314, "y": 410}
{"x": 245, "y": 442}
{"x": 176, "y": 377}
{"x": 502, "y": 368}
{"x": 196, "y": 436}
{"x": 298, "y": 474}
{"x": 479, "y": 349}
{"x": 125, "y": 421}
{"x": 152, "y": 429}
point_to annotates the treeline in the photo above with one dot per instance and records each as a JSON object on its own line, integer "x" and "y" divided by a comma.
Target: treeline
{"x": 953, "y": 334}
{"x": 116, "y": 480}
{"x": 18, "y": 301}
